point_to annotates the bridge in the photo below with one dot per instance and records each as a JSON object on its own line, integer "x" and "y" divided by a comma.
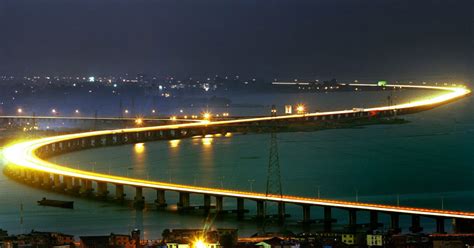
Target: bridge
{"x": 27, "y": 161}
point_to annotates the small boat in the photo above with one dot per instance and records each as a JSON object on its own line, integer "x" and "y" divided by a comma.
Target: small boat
{"x": 56, "y": 203}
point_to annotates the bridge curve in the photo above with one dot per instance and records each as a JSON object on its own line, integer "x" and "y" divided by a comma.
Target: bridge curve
{"x": 30, "y": 157}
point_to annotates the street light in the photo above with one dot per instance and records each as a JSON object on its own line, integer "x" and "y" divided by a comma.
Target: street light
{"x": 300, "y": 109}
{"x": 53, "y": 111}
{"x": 19, "y": 110}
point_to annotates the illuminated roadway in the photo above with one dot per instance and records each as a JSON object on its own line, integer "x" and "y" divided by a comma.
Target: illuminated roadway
{"x": 24, "y": 155}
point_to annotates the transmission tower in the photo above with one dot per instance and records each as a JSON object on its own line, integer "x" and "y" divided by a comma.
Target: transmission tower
{"x": 273, "y": 174}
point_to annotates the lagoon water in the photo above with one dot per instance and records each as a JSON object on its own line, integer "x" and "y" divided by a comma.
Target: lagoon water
{"x": 427, "y": 162}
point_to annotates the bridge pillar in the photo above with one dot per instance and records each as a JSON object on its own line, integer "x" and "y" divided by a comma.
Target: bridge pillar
{"x": 183, "y": 200}
{"x": 160, "y": 198}
{"x": 352, "y": 219}
{"x": 260, "y": 209}
{"x": 219, "y": 204}
{"x": 67, "y": 181}
{"x": 327, "y": 219}
{"x": 102, "y": 191}
{"x": 139, "y": 200}
{"x": 440, "y": 225}
{"x": 119, "y": 192}
{"x": 306, "y": 214}
{"x": 57, "y": 183}
{"x": 207, "y": 203}
{"x": 374, "y": 220}
{"x": 86, "y": 187}
{"x": 395, "y": 222}
{"x": 415, "y": 224}
{"x": 46, "y": 180}
{"x": 281, "y": 211}
{"x": 240, "y": 208}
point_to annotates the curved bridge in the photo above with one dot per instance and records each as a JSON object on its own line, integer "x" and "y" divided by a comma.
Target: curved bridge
{"x": 27, "y": 161}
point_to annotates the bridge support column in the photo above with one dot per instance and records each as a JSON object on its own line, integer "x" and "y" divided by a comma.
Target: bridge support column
{"x": 139, "y": 200}
{"x": 160, "y": 198}
{"x": 415, "y": 224}
{"x": 183, "y": 200}
{"x": 67, "y": 181}
{"x": 119, "y": 192}
{"x": 327, "y": 219}
{"x": 352, "y": 219}
{"x": 46, "y": 180}
{"x": 219, "y": 204}
{"x": 102, "y": 191}
{"x": 57, "y": 183}
{"x": 374, "y": 220}
{"x": 240, "y": 208}
{"x": 306, "y": 214}
{"x": 207, "y": 203}
{"x": 260, "y": 209}
{"x": 86, "y": 187}
{"x": 395, "y": 222}
{"x": 281, "y": 211}
{"x": 440, "y": 225}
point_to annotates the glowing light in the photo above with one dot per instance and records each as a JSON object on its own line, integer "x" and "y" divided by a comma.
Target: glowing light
{"x": 173, "y": 118}
{"x": 174, "y": 143}
{"x": 139, "y": 121}
{"x": 206, "y": 115}
{"x": 139, "y": 148}
{"x": 53, "y": 111}
{"x": 19, "y": 111}
{"x": 76, "y": 111}
{"x": 199, "y": 244}
{"x": 91, "y": 79}
{"x": 300, "y": 109}
{"x": 126, "y": 111}
{"x": 207, "y": 141}
{"x": 153, "y": 111}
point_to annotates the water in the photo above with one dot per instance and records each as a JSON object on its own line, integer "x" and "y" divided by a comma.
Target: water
{"x": 424, "y": 163}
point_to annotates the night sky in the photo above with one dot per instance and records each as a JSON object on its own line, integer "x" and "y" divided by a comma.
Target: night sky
{"x": 317, "y": 38}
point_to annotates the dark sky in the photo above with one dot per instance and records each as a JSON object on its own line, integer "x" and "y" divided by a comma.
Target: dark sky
{"x": 325, "y": 38}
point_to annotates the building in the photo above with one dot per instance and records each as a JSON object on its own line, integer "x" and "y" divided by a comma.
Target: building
{"x": 375, "y": 240}
{"x": 184, "y": 238}
{"x": 113, "y": 240}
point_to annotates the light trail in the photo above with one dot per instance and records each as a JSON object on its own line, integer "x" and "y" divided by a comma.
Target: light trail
{"x": 24, "y": 155}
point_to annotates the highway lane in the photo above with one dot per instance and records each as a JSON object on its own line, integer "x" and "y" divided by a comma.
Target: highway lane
{"x": 24, "y": 155}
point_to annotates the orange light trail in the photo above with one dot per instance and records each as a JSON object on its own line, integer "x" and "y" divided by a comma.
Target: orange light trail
{"x": 24, "y": 155}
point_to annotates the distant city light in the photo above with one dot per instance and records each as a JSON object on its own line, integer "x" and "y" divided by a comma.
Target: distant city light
{"x": 91, "y": 79}
{"x": 76, "y": 111}
{"x": 206, "y": 115}
{"x": 300, "y": 109}
{"x": 126, "y": 111}
{"x": 53, "y": 111}
{"x": 19, "y": 110}
{"x": 115, "y": 85}
{"x": 139, "y": 121}
{"x": 153, "y": 111}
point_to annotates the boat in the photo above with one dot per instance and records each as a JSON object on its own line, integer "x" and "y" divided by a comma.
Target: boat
{"x": 56, "y": 203}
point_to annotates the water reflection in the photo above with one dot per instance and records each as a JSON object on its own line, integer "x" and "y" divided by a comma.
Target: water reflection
{"x": 139, "y": 148}
{"x": 174, "y": 143}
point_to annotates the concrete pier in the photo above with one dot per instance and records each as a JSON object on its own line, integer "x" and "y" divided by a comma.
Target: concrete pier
{"x": 68, "y": 183}
{"x": 306, "y": 213}
{"x": 260, "y": 209}
{"x": 395, "y": 222}
{"x": 352, "y": 219}
{"x": 139, "y": 200}
{"x": 119, "y": 192}
{"x": 327, "y": 219}
{"x": 183, "y": 200}
{"x": 102, "y": 191}
{"x": 415, "y": 224}
{"x": 374, "y": 220}
{"x": 58, "y": 186}
{"x": 207, "y": 203}
{"x": 281, "y": 210}
{"x": 86, "y": 187}
{"x": 160, "y": 198}
{"x": 240, "y": 208}
{"x": 219, "y": 204}
{"x": 440, "y": 225}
